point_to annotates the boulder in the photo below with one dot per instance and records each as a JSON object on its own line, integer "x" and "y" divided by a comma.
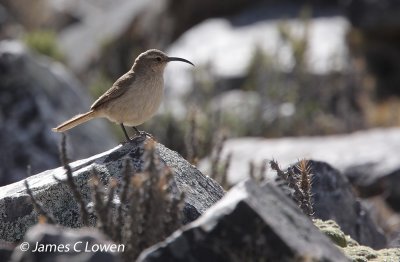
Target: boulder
{"x": 35, "y": 95}
{"x": 235, "y": 40}
{"x": 122, "y": 27}
{"x": 45, "y": 242}
{"x": 368, "y": 158}
{"x": 17, "y": 213}
{"x": 333, "y": 198}
{"x": 250, "y": 223}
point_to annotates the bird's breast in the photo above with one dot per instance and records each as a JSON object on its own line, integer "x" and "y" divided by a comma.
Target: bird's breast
{"x": 139, "y": 103}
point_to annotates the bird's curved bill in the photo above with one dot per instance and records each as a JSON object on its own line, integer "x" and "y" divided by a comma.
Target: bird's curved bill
{"x": 179, "y": 59}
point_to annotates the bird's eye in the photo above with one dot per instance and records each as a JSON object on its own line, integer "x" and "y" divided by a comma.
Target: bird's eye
{"x": 158, "y": 58}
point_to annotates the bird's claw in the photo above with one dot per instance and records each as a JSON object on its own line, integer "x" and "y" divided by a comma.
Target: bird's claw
{"x": 140, "y": 135}
{"x": 145, "y": 134}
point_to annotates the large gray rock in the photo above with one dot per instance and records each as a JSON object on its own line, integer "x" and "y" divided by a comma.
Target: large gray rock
{"x": 35, "y": 95}
{"x": 235, "y": 39}
{"x": 333, "y": 198}
{"x": 249, "y": 224}
{"x": 65, "y": 244}
{"x": 17, "y": 213}
{"x": 366, "y": 157}
{"x": 125, "y": 26}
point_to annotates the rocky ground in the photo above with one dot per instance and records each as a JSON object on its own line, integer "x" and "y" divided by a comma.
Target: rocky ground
{"x": 292, "y": 111}
{"x": 249, "y": 222}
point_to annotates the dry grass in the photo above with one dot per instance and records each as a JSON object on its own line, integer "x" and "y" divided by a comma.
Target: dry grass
{"x": 192, "y": 139}
{"x": 219, "y": 167}
{"x": 299, "y": 181}
{"x": 84, "y": 214}
{"x": 44, "y": 216}
{"x": 150, "y": 213}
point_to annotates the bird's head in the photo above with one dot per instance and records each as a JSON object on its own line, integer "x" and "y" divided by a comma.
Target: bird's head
{"x": 155, "y": 60}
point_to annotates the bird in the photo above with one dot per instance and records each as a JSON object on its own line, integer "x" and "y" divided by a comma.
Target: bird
{"x": 134, "y": 98}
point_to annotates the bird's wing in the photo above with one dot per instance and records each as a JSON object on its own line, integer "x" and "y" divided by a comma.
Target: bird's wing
{"x": 118, "y": 89}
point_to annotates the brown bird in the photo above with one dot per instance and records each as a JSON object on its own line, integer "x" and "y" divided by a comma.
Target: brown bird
{"x": 134, "y": 98}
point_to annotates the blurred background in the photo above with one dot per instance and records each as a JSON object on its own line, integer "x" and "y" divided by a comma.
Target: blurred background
{"x": 264, "y": 68}
{"x": 314, "y": 71}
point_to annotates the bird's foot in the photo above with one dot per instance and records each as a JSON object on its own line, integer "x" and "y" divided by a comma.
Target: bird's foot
{"x": 145, "y": 134}
{"x": 142, "y": 135}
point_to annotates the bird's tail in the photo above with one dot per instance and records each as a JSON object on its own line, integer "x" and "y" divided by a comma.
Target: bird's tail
{"x": 73, "y": 122}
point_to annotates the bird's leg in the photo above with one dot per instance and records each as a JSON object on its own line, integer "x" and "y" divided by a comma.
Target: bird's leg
{"x": 125, "y": 133}
{"x": 136, "y": 130}
{"x": 142, "y": 133}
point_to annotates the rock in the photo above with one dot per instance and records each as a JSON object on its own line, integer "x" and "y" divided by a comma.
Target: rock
{"x": 37, "y": 94}
{"x": 229, "y": 53}
{"x": 248, "y": 224}
{"x": 165, "y": 21}
{"x": 351, "y": 248}
{"x": 368, "y": 158}
{"x": 333, "y": 198}
{"x": 235, "y": 39}
{"x": 72, "y": 244}
{"x": 125, "y": 26}
{"x": 332, "y": 193}
{"x": 17, "y": 214}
